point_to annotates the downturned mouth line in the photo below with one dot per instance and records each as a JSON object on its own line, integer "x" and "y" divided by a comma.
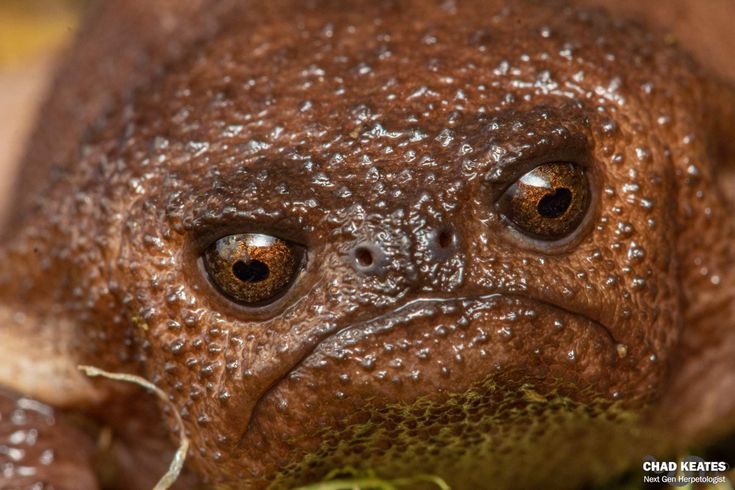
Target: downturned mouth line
{"x": 397, "y": 311}
{"x": 443, "y": 300}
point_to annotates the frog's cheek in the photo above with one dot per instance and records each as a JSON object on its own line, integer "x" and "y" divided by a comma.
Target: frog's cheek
{"x": 437, "y": 350}
{"x": 700, "y": 401}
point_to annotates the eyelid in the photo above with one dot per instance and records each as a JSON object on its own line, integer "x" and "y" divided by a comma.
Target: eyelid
{"x": 509, "y": 171}
{"x": 517, "y": 141}
{"x": 203, "y": 233}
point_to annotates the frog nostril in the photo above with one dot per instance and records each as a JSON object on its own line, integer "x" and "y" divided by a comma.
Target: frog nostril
{"x": 367, "y": 258}
{"x": 364, "y": 257}
{"x": 445, "y": 239}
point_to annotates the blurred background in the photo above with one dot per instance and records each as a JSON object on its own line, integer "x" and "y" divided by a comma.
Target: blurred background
{"x": 32, "y": 34}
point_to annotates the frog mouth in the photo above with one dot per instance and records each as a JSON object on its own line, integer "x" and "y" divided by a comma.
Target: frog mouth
{"x": 434, "y": 346}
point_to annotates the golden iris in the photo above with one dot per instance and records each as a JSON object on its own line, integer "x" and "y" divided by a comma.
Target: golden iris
{"x": 251, "y": 268}
{"x": 549, "y": 202}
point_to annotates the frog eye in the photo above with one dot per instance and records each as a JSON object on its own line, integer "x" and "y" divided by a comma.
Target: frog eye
{"x": 549, "y": 202}
{"x": 252, "y": 269}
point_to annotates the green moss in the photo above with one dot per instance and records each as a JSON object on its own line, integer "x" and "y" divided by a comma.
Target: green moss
{"x": 352, "y": 479}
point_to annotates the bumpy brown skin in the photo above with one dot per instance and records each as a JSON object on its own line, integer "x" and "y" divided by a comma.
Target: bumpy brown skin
{"x": 493, "y": 360}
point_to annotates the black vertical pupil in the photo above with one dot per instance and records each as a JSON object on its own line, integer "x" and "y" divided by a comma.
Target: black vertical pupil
{"x": 252, "y": 271}
{"x": 555, "y": 204}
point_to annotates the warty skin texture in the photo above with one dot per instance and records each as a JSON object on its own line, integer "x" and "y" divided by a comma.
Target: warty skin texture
{"x": 340, "y": 126}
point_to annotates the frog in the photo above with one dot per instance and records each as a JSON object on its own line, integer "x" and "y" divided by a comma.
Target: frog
{"x": 484, "y": 241}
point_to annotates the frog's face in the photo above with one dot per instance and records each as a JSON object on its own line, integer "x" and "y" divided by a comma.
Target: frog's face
{"x": 439, "y": 227}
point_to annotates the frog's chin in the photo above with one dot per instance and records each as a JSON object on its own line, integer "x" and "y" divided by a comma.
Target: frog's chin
{"x": 433, "y": 348}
